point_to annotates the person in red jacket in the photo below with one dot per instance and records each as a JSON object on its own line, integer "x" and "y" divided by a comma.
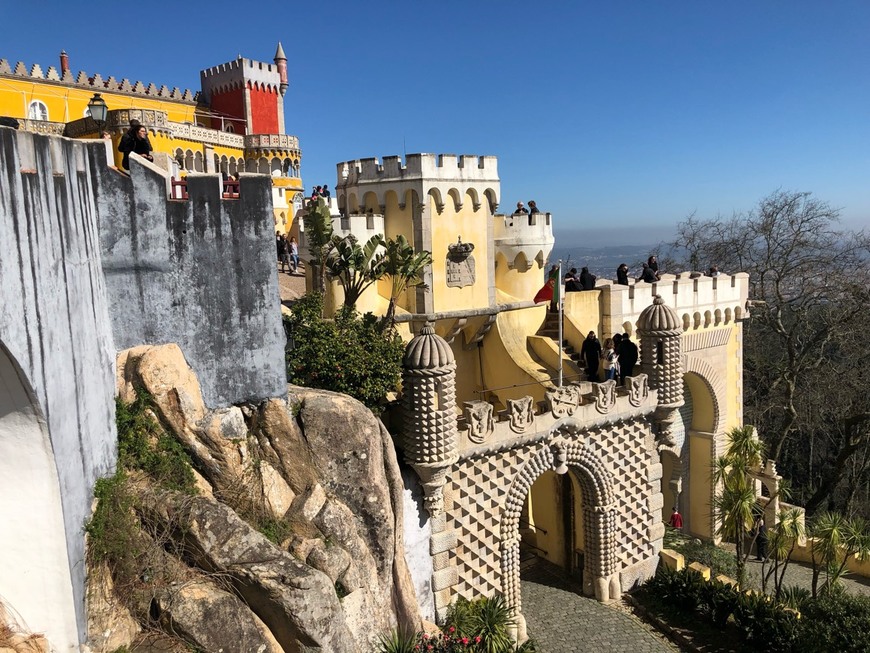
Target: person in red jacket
{"x": 676, "y": 518}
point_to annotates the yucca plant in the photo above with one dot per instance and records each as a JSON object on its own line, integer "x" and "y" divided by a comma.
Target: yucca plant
{"x": 398, "y": 642}
{"x": 491, "y": 623}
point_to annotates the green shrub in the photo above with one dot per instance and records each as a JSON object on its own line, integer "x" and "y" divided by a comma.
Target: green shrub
{"x": 145, "y": 446}
{"x": 717, "y": 601}
{"x": 679, "y": 589}
{"x": 836, "y": 622}
{"x": 350, "y": 354}
{"x": 479, "y": 626}
{"x": 795, "y": 597}
{"x": 764, "y": 625}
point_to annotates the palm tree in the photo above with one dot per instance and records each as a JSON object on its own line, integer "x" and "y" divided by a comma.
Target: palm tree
{"x": 318, "y": 233}
{"x": 781, "y": 542}
{"x": 835, "y": 539}
{"x": 405, "y": 269}
{"x": 735, "y": 505}
{"x": 355, "y": 267}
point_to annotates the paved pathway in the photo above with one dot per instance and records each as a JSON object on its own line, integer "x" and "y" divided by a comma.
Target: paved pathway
{"x": 561, "y": 620}
{"x": 800, "y": 573}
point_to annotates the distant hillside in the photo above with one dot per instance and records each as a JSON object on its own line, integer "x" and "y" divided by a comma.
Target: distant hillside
{"x": 603, "y": 261}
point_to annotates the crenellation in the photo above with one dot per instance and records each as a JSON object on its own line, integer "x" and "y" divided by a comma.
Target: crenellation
{"x": 20, "y": 69}
{"x": 51, "y": 74}
{"x": 467, "y": 167}
{"x": 36, "y": 71}
{"x": 4, "y": 67}
{"x": 82, "y": 78}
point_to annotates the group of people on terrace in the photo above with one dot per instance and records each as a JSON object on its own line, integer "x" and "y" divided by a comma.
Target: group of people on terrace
{"x": 288, "y": 253}
{"x": 533, "y": 208}
{"x": 649, "y": 274}
{"x": 320, "y": 191}
{"x": 616, "y": 358}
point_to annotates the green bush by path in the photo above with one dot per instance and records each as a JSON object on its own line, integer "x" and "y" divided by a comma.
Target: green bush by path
{"x": 479, "y": 626}
{"x": 351, "y": 354}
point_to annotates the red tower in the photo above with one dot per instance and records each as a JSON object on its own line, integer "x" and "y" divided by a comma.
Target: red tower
{"x": 247, "y": 96}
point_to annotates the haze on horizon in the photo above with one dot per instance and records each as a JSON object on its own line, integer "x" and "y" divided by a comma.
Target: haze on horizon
{"x": 620, "y": 119}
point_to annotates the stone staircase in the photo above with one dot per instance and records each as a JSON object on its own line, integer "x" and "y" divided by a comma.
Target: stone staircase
{"x": 550, "y": 329}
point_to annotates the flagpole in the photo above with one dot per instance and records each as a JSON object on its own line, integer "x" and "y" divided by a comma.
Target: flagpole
{"x": 558, "y": 290}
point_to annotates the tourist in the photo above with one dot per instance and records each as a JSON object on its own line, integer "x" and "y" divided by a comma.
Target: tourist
{"x": 324, "y": 192}
{"x": 294, "y": 253}
{"x": 714, "y": 271}
{"x": 627, "y": 357}
{"x": 622, "y": 275}
{"x": 676, "y": 520}
{"x": 572, "y": 284}
{"x": 591, "y": 352}
{"x": 610, "y": 360}
{"x": 315, "y": 194}
{"x": 587, "y": 279}
{"x": 106, "y": 136}
{"x": 135, "y": 142}
{"x": 284, "y": 253}
{"x": 533, "y": 208}
{"x": 647, "y": 274}
{"x": 653, "y": 264}
{"x": 520, "y": 209}
{"x": 759, "y": 531}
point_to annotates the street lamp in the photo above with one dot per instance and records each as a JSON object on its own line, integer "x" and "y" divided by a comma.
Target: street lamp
{"x": 98, "y": 109}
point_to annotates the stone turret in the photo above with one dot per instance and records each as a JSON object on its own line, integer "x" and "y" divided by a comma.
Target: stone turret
{"x": 429, "y": 434}
{"x": 660, "y": 331}
{"x": 281, "y": 63}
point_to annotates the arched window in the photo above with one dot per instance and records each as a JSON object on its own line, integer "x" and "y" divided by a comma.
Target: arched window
{"x": 37, "y": 110}
{"x": 229, "y": 128}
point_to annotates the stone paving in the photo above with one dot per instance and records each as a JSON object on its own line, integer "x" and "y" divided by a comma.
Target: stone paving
{"x": 561, "y": 620}
{"x": 799, "y": 573}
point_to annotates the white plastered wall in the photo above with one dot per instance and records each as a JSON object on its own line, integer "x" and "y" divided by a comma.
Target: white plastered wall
{"x": 32, "y": 537}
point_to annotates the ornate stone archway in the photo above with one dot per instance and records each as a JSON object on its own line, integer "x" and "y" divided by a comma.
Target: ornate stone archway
{"x": 599, "y": 516}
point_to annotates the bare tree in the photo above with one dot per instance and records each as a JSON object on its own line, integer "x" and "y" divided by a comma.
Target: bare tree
{"x": 808, "y": 282}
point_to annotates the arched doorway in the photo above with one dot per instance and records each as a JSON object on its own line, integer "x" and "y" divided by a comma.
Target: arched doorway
{"x": 35, "y": 580}
{"x": 704, "y": 425}
{"x": 598, "y": 507}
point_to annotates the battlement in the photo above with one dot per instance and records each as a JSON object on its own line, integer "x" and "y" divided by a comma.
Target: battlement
{"x": 96, "y": 82}
{"x": 238, "y": 74}
{"x": 484, "y": 430}
{"x": 700, "y": 301}
{"x": 468, "y": 167}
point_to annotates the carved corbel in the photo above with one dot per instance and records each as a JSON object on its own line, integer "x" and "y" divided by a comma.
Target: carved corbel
{"x": 458, "y": 325}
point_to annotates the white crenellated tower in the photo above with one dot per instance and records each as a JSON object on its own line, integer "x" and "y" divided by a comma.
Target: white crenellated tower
{"x": 446, "y": 204}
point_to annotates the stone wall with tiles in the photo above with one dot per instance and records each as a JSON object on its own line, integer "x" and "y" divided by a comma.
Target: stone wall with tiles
{"x": 502, "y": 457}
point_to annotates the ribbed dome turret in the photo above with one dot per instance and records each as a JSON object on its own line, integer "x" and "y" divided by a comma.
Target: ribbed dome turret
{"x": 427, "y": 351}
{"x": 659, "y": 318}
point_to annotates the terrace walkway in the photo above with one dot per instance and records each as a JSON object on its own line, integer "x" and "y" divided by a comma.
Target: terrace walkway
{"x": 561, "y": 620}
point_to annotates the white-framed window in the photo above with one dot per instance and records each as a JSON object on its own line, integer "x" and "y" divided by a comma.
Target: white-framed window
{"x": 37, "y": 110}
{"x": 230, "y": 129}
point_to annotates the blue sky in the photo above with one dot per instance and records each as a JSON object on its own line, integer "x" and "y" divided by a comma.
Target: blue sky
{"x": 621, "y": 118}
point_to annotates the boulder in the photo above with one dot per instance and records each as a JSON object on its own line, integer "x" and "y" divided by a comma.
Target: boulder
{"x": 110, "y": 624}
{"x": 212, "y": 619}
{"x": 297, "y": 603}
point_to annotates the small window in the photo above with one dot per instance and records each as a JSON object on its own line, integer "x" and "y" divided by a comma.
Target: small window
{"x": 230, "y": 129}
{"x": 37, "y": 111}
